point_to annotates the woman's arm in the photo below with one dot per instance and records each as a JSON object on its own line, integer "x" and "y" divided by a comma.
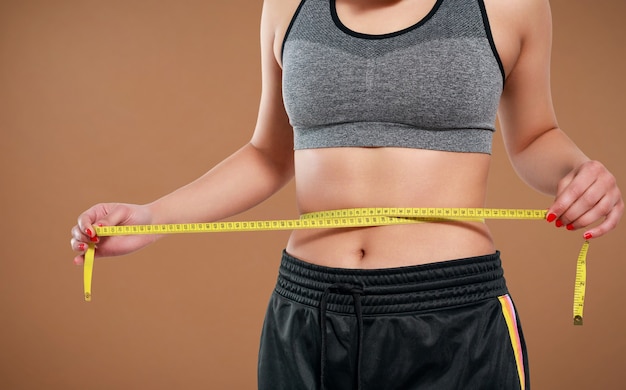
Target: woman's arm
{"x": 253, "y": 173}
{"x": 249, "y": 176}
{"x": 541, "y": 153}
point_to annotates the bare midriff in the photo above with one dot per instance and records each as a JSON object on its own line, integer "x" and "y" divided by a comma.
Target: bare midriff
{"x": 337, "y": 178}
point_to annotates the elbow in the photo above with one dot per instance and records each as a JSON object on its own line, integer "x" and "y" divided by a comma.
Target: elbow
{"x": 277, "y": 160}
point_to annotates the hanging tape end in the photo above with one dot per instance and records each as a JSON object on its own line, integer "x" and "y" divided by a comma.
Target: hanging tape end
{"x": 88, "y": 271}
{"x": 578, "y": 320}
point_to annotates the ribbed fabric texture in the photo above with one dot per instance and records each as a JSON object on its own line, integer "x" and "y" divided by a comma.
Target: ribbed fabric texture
{"x": 435, "y": 85}
{"x": 394, "y": 290}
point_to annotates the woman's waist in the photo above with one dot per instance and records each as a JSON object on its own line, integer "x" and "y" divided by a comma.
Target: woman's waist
{"x": 391, "y": 246}
{"x": 342, "y": 178}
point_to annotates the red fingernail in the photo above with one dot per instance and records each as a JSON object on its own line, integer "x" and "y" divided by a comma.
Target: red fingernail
{"x": 558, "y": 223}
{"x": 570, "y": 227}
{"x": 551, "y": 217}
{"x": 81, "y": 247}
{"x": 100, "y": 225}
{"x": 89, "y": 232}
{"x": 588, "y": 236}
{"x": 94, "y": 239}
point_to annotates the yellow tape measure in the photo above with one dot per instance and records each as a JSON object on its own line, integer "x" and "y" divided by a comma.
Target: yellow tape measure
{"x": 344, "y": 218}
{"x": 579, "y": 287}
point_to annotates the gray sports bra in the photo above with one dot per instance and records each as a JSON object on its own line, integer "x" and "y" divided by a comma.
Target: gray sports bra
{"x": 435, "y": 85}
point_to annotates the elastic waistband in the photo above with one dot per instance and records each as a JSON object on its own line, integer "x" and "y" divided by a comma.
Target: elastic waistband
{"x": 394, "y": 290}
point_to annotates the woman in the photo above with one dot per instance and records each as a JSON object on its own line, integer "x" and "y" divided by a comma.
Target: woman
{"x": 391, "y": 103}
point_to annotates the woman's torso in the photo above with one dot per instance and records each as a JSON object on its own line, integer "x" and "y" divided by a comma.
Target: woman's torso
{"x": 345, "y": 177}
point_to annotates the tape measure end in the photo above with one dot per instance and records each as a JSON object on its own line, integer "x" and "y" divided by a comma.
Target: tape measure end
{"x": 88, "y": 271}
{"x": 578, "y": 320}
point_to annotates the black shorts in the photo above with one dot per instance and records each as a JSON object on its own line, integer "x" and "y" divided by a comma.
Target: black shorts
{"x": 443, "y": 326}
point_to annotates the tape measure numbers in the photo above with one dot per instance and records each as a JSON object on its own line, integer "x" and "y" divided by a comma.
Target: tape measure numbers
{"x": 579, "y": 287}
{"x": 344, "y": 218}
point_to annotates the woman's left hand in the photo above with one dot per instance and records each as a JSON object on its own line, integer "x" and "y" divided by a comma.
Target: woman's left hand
{"x": 588, "y": 194}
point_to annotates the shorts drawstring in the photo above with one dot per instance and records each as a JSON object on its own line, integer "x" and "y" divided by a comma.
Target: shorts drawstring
{"x": 356, "y": 292}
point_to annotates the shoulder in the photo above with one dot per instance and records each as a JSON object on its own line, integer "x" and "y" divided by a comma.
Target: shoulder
{"x": 280, "y": 12}
{"x": 277, "y": 15}
{"x": 519, "y": 8}
{"x": 519, "y": 27}
{"x": 522, "y": 15}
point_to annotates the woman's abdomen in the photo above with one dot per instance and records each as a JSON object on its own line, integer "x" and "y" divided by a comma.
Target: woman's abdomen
{"x": 337, "y": 178}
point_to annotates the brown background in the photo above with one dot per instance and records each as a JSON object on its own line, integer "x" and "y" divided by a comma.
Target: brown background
{"x": 125, "y": 100}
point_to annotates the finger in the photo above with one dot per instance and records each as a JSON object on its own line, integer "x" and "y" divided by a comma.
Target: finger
{"x": 79, "y": 260}
{"x": 81, "y": 236}
{"x": 594, "y": 203}
{"x": 100, "y": 215}
{"x": 571, "y": 188}
{"x": 588, "y": 214}
{"x": 78, "y": 246}
{"x": 609, "y": 223}
{"x": 590, "y": 206}
{"x": 115, "y": 216}
{"x": 88, "y": 219}
{"x": 78, "y": 234}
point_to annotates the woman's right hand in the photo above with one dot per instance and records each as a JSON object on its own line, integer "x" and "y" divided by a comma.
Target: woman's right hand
{"x": 110, "y": 214}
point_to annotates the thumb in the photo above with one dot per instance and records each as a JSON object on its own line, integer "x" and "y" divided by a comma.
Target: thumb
{"x": 116, "y": 215}
{"x": 105, "y": 214}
